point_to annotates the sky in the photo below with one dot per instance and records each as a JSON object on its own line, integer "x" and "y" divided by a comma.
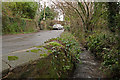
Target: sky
{"x": 48, "y": 2}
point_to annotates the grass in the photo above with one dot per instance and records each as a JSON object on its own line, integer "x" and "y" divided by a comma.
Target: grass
{"x": 32, "y": 31}
{"x": 27, "y": 51}
{"x": 35, "y": 50}
{"x": 55, "y": 44}
{"x": 13, "y": 33}
{"x": 11, "y": 58}
{"x": 45, "y": 48}
{"x": 40, "y": 49}
{"x": 43, "y": 54}
{"x": 49, "y": 51}
{"x": 38, "y": 46}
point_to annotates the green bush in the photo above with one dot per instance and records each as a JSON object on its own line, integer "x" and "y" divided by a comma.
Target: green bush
{"x": 17, "y": 25}
{"x": 99, "y": 41}
{"x": 11, "y": 25}
{"x": 50, "y": 27}
{"x": 67, "y": 28}
{"x": 66, "y": 52}
{"x": 105, "y": 47}
{"x": 71, "y": 45}
{"x": 55, "y": 44}
{"x": 61, "y": 62}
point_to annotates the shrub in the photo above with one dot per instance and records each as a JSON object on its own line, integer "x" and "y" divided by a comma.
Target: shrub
{"x": 71, "y": 46}
{"x": 17, "y": 25}
{"x": 66, "y": 51}
{"x": 50, "y": 27}
{"x": 55, "y": 44}
{"x": 105, "y": 47}
{"x": 60, "y": 61}
{"x": 67, "y": 28}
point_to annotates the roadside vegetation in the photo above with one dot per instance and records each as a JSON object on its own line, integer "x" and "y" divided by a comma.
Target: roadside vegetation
{"x": 97, "y": 29}
{"x": 18, "y": 17}
{"x": 26, "y": 17}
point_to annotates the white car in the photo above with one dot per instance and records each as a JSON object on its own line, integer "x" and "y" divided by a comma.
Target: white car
{"x": 57, "y": 26}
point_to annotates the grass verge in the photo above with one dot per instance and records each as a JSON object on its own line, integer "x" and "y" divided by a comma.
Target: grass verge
{"x": 11, "y": 58}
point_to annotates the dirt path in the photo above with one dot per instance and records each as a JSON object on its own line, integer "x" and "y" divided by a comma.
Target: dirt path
{"x": 89, "y": 68}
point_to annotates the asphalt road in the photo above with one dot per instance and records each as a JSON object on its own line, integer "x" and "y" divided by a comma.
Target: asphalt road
{"x": 12, "y": 43}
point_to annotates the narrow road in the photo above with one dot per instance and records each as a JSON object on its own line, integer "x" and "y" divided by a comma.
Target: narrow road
{"x": 11, "y": 43}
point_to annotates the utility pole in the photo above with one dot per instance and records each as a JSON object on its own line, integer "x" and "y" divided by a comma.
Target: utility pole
{"x": 44, "y": 10}
{"x": 44, "y": 16}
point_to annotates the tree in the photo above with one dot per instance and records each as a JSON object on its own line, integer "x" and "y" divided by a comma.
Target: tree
{"x": 49, "y": 14}
{"x": 113, "y": 9}
{"x": 21, "y": 9}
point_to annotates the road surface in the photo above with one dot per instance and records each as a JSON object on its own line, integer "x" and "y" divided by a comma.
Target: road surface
{"x": 12, "y": 43}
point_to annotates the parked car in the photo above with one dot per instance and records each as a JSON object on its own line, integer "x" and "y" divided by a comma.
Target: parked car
{"x": 57, "y": 26}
